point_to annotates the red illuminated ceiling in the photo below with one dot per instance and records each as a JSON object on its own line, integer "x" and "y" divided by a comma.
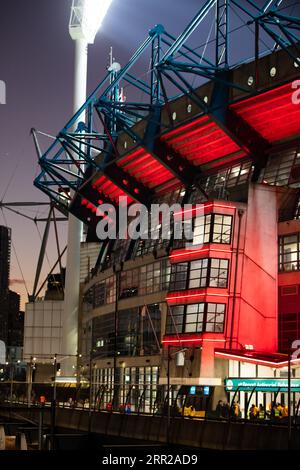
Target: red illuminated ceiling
{"x": 204, "y": 144}
{"x": 276, "y": 360}
{"x": 145, "y": 168}
{"x": 109, "y": 189}
{"x": 202, "y": 141}
{"x": 272, "y": 114}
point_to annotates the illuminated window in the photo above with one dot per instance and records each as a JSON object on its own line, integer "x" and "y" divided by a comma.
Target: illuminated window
{"x": 215, "y": 318}
{"x": 222, "y": 228}
{"x": 289, "y": 248}
{"x": 202, "y": 229}
{"x": 196, "y": 318}
{"x": 212, "y": 228}
{"x": 206, "y": 272}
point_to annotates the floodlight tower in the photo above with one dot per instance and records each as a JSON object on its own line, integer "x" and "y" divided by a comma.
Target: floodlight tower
{"x": 86, "y": 19}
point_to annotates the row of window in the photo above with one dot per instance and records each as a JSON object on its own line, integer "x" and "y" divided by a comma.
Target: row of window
{"x": 206, "y": 228}
{"x": 135, "y": 330}
{"x": 289, "y": 252}
{"x": 207, "y": 272}
{"x": 157, "y": 277}
{"x": 196, "y": 318}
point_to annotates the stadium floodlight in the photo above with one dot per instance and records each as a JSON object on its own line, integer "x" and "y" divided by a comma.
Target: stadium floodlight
{"x": 86, "y": 18}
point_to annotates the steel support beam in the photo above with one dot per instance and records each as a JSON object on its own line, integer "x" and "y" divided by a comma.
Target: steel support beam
{"x": 128, "y": 184}
{"x": 253, "y": 144}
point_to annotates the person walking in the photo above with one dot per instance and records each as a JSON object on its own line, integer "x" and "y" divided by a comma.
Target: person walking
{"x": 253, "y": 412}
{"x": 219, "y": 409}
{"x": 261, "y": 413}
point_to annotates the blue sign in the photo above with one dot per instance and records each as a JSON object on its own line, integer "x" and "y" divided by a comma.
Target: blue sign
{"x": 261, "y": 385}
{"x": 206, "y": 390}
{"x": 193, "y": 390}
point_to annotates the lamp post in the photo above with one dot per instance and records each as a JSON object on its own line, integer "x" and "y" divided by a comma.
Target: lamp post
{"x": 289, "y": 399}
{"x": 85, "y": 21}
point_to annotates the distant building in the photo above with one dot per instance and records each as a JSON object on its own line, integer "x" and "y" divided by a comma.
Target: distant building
{"x": 11, "y": 319}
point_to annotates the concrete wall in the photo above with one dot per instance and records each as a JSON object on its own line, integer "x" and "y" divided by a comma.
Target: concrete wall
{"x": 202, "y": 434}
{"x": 43, "y": 329}
{"x": 256, "y": 312}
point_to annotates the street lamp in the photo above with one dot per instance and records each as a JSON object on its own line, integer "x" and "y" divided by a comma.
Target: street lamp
{"x": 86, "y": 19}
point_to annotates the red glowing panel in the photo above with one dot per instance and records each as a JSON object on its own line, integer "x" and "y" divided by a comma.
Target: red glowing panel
{"x": 189, "y": 339}
{"x": 109, "y": 189}
{"x": 191, "y": 296}
{"x": 271, "y": 113}
{"x": 187, "y": 254}
{"x": 145, "y": 168}
{"x": 201, "y": 141}
{"x": 269, "y": 359}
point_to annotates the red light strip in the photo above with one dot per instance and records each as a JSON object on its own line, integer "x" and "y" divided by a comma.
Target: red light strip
{"x": 255, "y": 361}
{"x": 192, "y": 340}
{"x": 203, "y": 119}
{"x": 203, "y": 207}
{"x": 171, "y": 297}
{"x": 197, "y": 252}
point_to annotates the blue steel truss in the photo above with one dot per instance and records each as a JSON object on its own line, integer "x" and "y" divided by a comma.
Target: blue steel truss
{"x": 76, "y": 154}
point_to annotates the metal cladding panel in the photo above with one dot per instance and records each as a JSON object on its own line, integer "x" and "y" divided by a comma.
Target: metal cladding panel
{"x": 272, "y": 113}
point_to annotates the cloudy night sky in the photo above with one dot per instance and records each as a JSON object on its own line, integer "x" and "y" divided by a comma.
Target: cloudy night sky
{"x": 36, "y": 63}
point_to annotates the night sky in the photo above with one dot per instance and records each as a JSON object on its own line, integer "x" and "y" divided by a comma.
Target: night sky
{"x": 36, "y": 62}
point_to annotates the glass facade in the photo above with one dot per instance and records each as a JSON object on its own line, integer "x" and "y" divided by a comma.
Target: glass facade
{"x": 289, "y": 249}
{"x": 207, "y": 228}
{"x": 101, "y": 293}
{"x": 207, "y": 272}
{"x": 137, "y": 387}
{"x": 135, "y": 334}
{"x": 196, "y": 318}
{"x": 289, "y": 330}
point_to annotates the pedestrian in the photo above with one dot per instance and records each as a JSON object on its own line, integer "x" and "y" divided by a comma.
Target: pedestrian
{"x": 219, "y": 409}
{"x": 261, "y": 412}
{"x": 226, "y": 410}
{"x": 42, "y": 400}
{"x": 275, "y": 414}
{"x": 128, "y": 409}
{"x": 285, "y": 411}
{"x": 253, "y": 412}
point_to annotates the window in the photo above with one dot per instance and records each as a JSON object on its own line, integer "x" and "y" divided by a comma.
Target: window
{"x": 202, "y": 227}
{"x": 99, "y": 294}
{"x": 289, "y": 330}
{"x": 196, "y": 318}
{"x": 289, "y": 248}
{"x": 218, "y": 272}
{"x": 175, "y": 320}
{"x": 222, "y": 228}
{"x": 215, "y": 318}
{"x": 198, "y": 273}
{"x": 135, "y": 332}
{"x": 207, "y": 272}
{"x": 129, "y": 283}
{"x": 178, "y": 276}
{"x": 208, "y": 228}
{"x": 150, "y": 278}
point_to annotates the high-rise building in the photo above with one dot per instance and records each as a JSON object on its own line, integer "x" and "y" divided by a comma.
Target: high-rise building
{"x": 11, "y": 320}
{"x": 5, "y": 242}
